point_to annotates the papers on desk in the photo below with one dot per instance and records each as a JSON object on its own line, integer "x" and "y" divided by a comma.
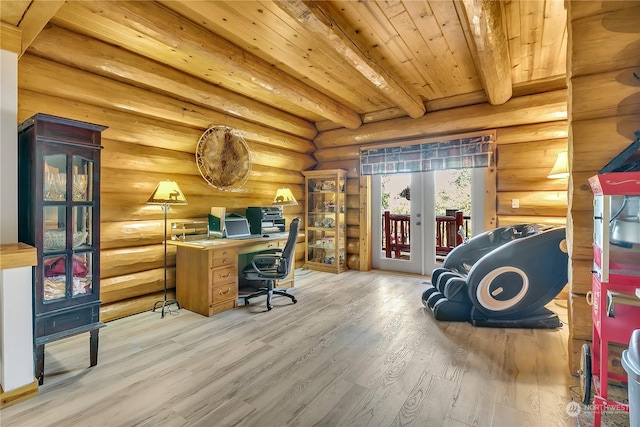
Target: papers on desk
{"x": 638, "y": 292}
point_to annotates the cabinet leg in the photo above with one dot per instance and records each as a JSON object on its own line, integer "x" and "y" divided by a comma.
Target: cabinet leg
{"x": 39, "y": 356}
{"x": 93, "y": 347}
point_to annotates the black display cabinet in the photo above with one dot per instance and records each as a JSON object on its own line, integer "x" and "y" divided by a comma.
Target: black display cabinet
{"x": 59, "y": 214}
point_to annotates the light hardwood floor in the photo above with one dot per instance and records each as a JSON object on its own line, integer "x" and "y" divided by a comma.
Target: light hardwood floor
{"x": 357, "y": 349}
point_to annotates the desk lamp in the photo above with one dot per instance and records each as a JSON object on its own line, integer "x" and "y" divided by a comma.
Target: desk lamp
{"x": 284, "y": 197}
{"x": 167, "y": 193}
{"x": 560, "y": 168}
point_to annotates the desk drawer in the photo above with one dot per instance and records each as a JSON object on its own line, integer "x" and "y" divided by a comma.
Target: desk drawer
{"x": 260, "y": 246}
{"x": 223, "y": 275}
{"x": 224, "y": 257}
{"x": 224, "y": 292}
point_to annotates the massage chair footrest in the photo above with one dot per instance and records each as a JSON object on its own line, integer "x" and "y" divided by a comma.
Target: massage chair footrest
{"x": 541, "y": 319}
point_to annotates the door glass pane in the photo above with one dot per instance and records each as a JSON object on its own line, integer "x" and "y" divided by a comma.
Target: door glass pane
{"x": 55, "y": 268}
{"x": 82, "y": 226}
{"x": 453, "y": 209}
{"x": 82, "y": 174}
{"x": 82, "y": 278}
{"x": 396, "y": 216}
{"x": 55, "y": 178}
{"x": 55, "y": 228}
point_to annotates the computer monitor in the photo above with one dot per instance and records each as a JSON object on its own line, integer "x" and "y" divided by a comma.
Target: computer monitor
{"x": 236, "y": 227}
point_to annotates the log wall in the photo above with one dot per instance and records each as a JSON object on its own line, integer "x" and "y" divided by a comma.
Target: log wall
{"x": 603, "y": 52}
{"x": 152, "y": 136}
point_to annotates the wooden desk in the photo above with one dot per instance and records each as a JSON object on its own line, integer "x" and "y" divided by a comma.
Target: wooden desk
{"x": 207, "y": 271}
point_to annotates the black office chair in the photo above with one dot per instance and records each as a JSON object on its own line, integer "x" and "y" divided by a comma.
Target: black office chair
{"x": 269, "y": 266}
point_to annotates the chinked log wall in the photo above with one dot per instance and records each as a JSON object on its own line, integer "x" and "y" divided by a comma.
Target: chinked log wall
{"x": 151, "y": 137}
{"x": 604, "y": 53}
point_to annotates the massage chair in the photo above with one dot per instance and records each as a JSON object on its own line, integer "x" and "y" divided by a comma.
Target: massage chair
{"x": 502, "y": 278}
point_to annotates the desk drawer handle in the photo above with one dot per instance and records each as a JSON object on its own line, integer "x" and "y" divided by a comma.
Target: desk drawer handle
{"x": 221, "y": 292}
{"x": 589, "y": 297}
{"x": 225, "y": 276}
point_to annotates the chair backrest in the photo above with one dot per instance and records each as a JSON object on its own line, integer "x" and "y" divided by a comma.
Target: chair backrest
{"x": 290, "y": 247}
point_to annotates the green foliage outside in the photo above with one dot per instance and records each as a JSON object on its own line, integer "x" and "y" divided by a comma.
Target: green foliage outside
{"x": 453, "y": 191}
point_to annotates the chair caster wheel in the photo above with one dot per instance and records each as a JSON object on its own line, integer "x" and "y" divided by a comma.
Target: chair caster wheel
{"x": 294, "y": 300}
{"x": 246, "y": 301}
{"x": 269, "y": 307}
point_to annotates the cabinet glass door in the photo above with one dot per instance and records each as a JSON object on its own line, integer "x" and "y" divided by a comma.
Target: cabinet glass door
{"x": 82, "y": 179}
{"x": 67, "y": 214}
{"x": 326, "y": 217}
{"x": 55, "y": 178}
{"x": 624, "y": 235}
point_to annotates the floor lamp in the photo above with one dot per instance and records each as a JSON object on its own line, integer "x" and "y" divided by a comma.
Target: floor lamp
{"x": 167, "y": 193}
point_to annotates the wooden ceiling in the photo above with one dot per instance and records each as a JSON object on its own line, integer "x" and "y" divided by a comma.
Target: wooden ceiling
{"x": 330, "y": 63}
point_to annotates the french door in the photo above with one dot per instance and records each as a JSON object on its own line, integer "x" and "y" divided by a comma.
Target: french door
{"x": 386, "y": 193}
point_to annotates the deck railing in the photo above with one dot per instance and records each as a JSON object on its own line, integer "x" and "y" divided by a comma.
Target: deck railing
{"x": 397, "y": 229}
{"x": 451, "y": 230}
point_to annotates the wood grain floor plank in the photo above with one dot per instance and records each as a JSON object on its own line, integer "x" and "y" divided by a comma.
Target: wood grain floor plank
{"x": 357, "y": 349}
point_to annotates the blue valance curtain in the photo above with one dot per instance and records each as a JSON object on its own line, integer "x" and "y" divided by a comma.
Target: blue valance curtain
{"x": 475, "y": 151}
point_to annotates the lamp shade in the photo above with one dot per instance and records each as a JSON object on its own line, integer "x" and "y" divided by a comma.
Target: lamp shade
{"x": 561, "y": 167}
{"x": 284, "y": 197}
{"x": 167, "y": 193}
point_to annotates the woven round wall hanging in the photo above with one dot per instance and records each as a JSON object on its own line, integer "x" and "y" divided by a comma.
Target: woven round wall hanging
{"x": 223, "y": 158}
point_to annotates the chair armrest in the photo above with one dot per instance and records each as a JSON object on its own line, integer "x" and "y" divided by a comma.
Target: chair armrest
{"x": 269, "y": 265}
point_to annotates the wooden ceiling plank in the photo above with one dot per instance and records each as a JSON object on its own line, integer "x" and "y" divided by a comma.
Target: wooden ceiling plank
{"x": 537, "y": 34}
{"x": 421, "y": 54}
{"x": 335, "y": 72}
{"x": 35, "y": 18}
{"x": 512, "y": 19}
{"x": 529, "y": 37}
{"x": 416, "y": 62}
{"x": 450, "y": 28}
{"x": 112, "y": 62}
{"x": 554, "y": 34}
{"x": 330, "y": 34}
{"x": 484, "y": 29}
{"x": 276, "y": 41}
{"x": 152, "y": 30}
{"x": 435, "y": 52}
{"x": 387, "y": 48}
